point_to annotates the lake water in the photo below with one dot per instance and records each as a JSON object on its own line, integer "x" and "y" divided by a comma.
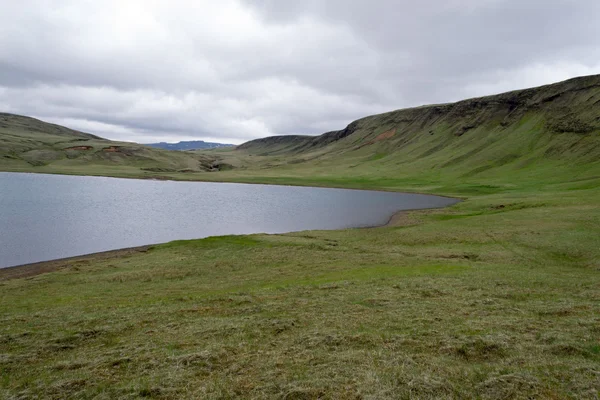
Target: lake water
{"x": 45, "y": 217}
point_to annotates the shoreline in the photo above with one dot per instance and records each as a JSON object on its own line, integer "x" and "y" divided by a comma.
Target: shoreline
{"x": 42, "y": 267}
{"x": 171, "y": 179}
{"x": 398, "y": 218}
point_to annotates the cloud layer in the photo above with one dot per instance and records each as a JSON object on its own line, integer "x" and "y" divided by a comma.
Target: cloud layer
{"x": 233, "y": 70}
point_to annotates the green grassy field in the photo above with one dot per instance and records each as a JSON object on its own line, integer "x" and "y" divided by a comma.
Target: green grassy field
{"x": 497, "y": 297}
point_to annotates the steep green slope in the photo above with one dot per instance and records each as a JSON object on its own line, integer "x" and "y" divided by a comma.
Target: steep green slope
{"x": 27, "y": 144}
{"x": 553, "y": 129}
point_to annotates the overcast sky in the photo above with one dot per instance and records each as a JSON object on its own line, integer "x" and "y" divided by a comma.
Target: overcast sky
{"x": 234, "y": 70}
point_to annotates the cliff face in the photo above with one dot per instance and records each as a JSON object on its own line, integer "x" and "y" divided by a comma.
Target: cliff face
{"x": 569, "y": 107}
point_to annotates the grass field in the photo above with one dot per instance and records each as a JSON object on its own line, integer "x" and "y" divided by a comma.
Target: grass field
{"x": 497, "y": 297}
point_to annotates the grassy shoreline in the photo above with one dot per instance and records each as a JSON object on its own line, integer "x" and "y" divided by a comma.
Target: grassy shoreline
{"x": 203, "y": 178}
{"x": 40, "y": 267}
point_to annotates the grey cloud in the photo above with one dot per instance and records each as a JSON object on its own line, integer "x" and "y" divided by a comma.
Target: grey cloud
{"x": 433, "y": 43}
{"x": 243, "y": 69}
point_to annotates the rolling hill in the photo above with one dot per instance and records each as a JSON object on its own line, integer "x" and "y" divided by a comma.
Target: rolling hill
{"x": 549, "y": 133}
{"x": 544, "y": 131}
{"x": 28, "y": 144}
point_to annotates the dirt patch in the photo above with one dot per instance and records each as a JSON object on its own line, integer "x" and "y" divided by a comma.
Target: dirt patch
{"x": 385, "y": 135}
{"x": 123, "y": 150}
{"x": 379, "y": 138}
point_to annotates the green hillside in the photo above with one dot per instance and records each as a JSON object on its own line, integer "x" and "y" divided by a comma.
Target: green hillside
{"x": 30, "y": 145}
{"x": 548, "y": 133}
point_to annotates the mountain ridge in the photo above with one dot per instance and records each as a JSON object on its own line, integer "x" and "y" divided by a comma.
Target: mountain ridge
{"x": 516, "y": 101}
{"x": 549, "y": 133}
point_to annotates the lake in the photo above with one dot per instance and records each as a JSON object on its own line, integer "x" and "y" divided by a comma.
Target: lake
{"x": 45, "y": 217}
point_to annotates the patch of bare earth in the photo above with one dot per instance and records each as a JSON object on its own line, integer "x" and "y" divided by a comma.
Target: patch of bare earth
{"x": 385, "y": 135}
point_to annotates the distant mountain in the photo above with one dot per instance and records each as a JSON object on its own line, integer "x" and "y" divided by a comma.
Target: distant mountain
{"x": 189, "y": 145}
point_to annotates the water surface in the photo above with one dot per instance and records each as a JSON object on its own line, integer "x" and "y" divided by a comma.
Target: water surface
{"x": 45, "y": 217}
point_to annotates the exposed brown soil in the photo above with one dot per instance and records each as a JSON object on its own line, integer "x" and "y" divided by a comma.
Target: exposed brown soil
{"x": 28, "y": 270}
{"x": 385, "y": 135}
{"x": 112, "y": 149}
